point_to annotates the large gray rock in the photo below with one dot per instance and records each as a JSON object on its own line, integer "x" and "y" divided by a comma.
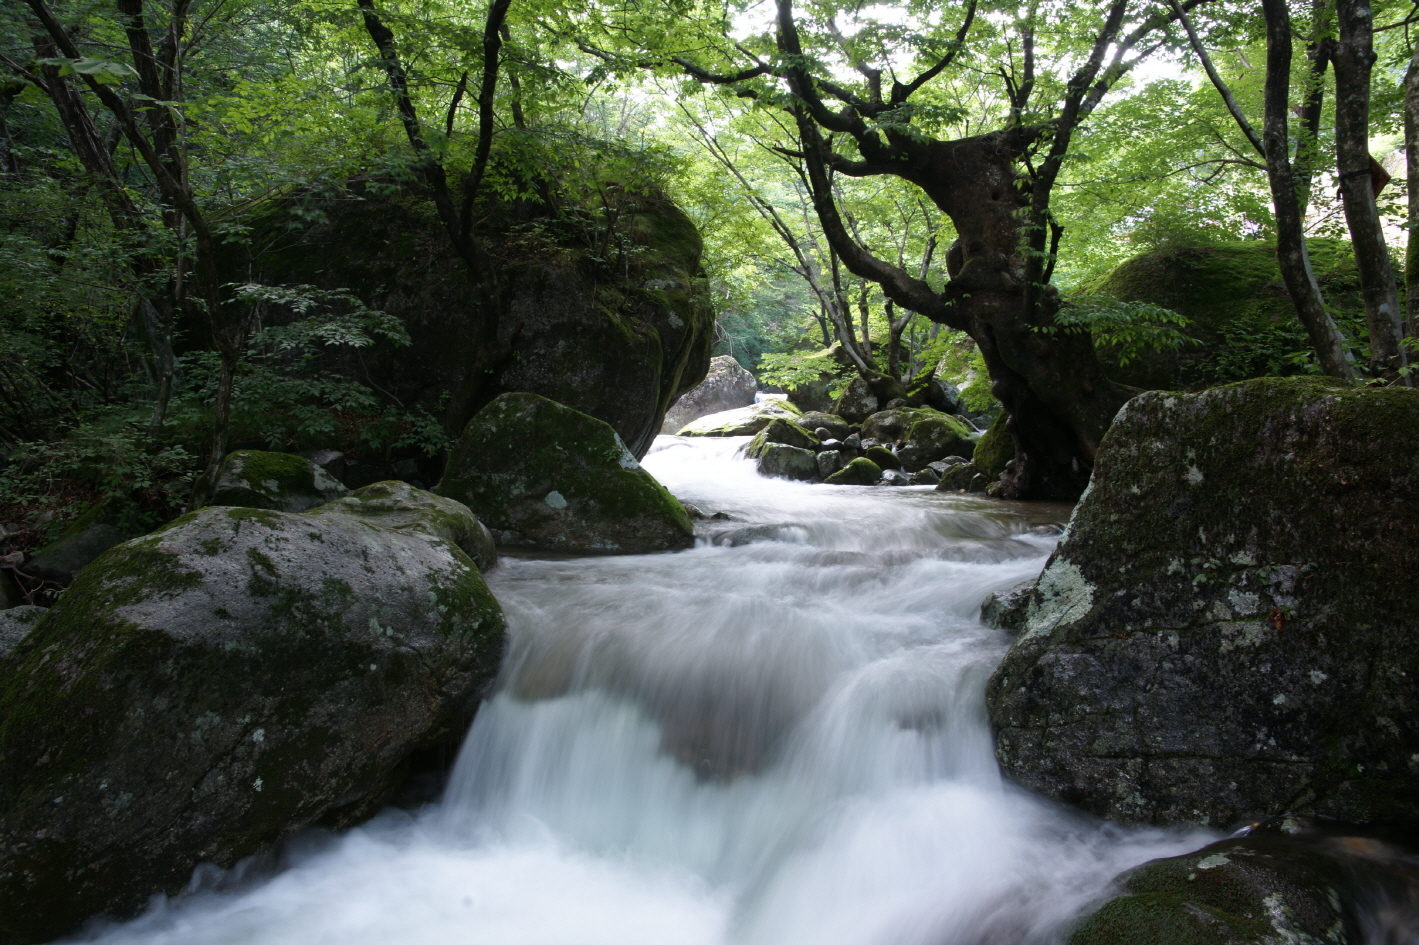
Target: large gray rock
{"x": 857, "y": 402}
{"x": 1227, "y": 629}
{"x": 615, "y": 325}
{"x": 922, "y": 435}
{"x": 15, "y": 625}
{"x": 779, "y": 461}
{"x": 745, "y": 421}
{"x": 727, "y": 386}
{"x": 784, "y": 432}
{"x": 282, "y": 482}
{"x": 209, "y": 689}
{"x": 543, "y": 475}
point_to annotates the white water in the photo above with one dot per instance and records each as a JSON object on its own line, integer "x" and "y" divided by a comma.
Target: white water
{"x": 773, "y": 740}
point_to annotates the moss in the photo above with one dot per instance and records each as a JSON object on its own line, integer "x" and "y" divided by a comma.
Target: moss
{"x": 994, "y": 449}
{"x": 1163, "y": 919}
{"x": 860, "y": 472}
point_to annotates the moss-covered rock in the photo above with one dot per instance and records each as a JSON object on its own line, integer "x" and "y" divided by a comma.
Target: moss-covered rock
{"x": 540, "y": 474}
{"x": 402, "y": 507}
{"x": 830, "y": 461}
{"x": 256, "y": 479}
{"x": 727, "y": 386}
{"x": 746, "y": 421}
{"x": 87, "y": 537}
{"x": 1007, "y": 609}
{"x": 836, "y": 426}
{"x": 780, "y": 461}
{"x": 618, "y": 338}
{"x": 209, "y": 689}
{"x": 883, "y": 457}
{"x": 922, "y": 435}
{"x": 995, "y": 449}
{"x": 860, "y": 472}
{"x": 1239, "y": 313}
{"x": 15, "y": 625}
{"x": 962, "y": 477}
{"x": 1285, "y": 882}
{"x": 1225, "y": 630}
{"x": 784, "y": 432}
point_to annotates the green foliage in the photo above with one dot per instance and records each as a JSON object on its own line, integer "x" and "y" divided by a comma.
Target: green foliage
{"x": 793, "y": 370}
{"x": 1131, "y": 329}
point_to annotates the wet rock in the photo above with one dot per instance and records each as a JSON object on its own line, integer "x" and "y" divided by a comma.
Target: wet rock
{"x": 883, "y": 457}
{"x": 856, "y": 403}
{"x": 205, "y": 691}
{"x": 895, "y": 477}
{"x": 829, "y": 462}
{"x": 784, "y": 432}
{"x": 1222, "y": 633}
{"x": 745, "y": 421}
{"x": 1285, "y": 882}
{"x": 853, "y": 441}
{"x": 543, "y": 475}
{"x": 89, "y": 536}
{"x": 1006, "y": 609}
{"x": 727, "y": 386}
{"x": 16, "y": 623}
{"x": 282, "y": 482}
{"x": 837, "y": 427}
{"x": 829, "y": 444}
{"x": 925, "y": 477}
{"x": 941, "y": 465}
{"x": 787, "y": 462}
{"x": 860, "y": 472}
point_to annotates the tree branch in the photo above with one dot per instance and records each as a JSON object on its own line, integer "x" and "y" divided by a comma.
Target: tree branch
{"x": 1222, "y": 89}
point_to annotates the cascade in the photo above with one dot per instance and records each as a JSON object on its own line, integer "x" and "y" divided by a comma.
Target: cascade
{"x": 776, "y": 737}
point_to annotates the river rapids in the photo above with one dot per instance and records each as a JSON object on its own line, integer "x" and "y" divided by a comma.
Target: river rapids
{"x": 777, "y": 737}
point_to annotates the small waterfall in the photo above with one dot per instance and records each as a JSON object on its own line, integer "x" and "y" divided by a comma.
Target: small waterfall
{"x": 776, "y": 737}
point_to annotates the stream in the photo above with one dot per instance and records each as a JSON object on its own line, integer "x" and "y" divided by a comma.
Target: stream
{"x": 777, "y": 737}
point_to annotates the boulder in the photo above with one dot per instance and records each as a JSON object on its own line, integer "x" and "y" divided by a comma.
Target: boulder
{"x": 87, "y": 537}
{"x": 829, "y": 462}
{"x": 1224, "y": 631}
{"x": 883, "y": 457}
{"x": 746, "y": 421}
{"x": 205, "y": 691}
{"x": 540, "y": 474}
{"x": 962, "y": 477}
{"x": 1283, "y": 882}
{"x": 860, "y": 472}
{"x": 402, "y": 507}
{"x": 727, "y": 386}
{"x": 895, "y": 477}
{"x": 784, "y": 432}
{"x": 925, "y": 477}
{"x": 15, "y": 625}
{"x": 616, "y": 334}
{"x": 1006, "y": 609}
{"x": 995, "y": 449}
{"x": 787, "y": 462}
{"x": 924, "y": 435}
{"x": 282, "y": 482}
{"x": 835, "y": 425}
{"x": 857, "y": 402}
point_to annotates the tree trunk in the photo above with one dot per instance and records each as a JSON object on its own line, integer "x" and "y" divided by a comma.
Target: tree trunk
{"x": 1411, "y": 167}
{"x": 1354, "y": 58}
{"x": 1291, "y": 254}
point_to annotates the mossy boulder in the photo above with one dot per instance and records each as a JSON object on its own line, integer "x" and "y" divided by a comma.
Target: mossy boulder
{"x": 745, "y": 421}
{"x": 207, "y": 690}
{"x": 883, "y": 457}
{"x": 784, "y": 432}
{"x": 543, "y": 475}
{"x": 87, "y": 537}
{"x": 1240, "y": 317}
{"x": 727, "y": 386}
{"x": 282, "y": 482}
{"x": 995, "y": 449}
{"x": 616, "y": 334}
{"x": 1284, "y": 882}
{"x": 860, "y": 472}
{"x": 780, "y": 461}
{"x": 402, "y": 507}
{"x": 922, "y": 435}
{"x": 1226, "y": 629}
{"x": 962, "y": 477}
{"x": 836, "y": 426}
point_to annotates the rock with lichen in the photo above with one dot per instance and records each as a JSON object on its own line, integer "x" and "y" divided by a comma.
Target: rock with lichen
{"x": 283, "y": 482}
{"x": 543, "y": 475}
{"x": 207, "y": 690}
{"x": 1227, "y": 629}
{"x": 1286, "y": 881}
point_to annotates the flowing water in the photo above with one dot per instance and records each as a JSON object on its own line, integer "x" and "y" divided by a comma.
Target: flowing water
{"x": 777, "y": 737}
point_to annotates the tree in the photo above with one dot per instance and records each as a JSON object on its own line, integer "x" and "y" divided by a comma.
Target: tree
{"x": 994, "y": 185}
